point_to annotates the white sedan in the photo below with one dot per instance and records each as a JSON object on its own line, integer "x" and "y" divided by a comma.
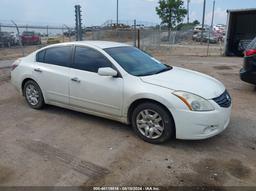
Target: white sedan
{"x": 120, "y": 82}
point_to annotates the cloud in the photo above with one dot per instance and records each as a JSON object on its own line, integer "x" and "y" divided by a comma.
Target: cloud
{"x": 220, "y": 16}
{"x": 193, "y": 16}
{"x": 196, "y": 1}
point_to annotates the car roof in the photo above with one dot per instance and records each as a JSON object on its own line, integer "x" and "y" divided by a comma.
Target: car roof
{"x": 98, "y": 44}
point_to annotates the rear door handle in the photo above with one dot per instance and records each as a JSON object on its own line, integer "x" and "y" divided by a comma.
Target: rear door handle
{"x": 38, "y": 70}
{"x": 75, "y": 80}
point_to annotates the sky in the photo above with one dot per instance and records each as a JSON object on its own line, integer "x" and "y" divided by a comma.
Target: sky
{"x": 96, "y": 12}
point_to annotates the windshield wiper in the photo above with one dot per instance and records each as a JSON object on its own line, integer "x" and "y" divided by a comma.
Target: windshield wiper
{"x": 153, "y": 73}
{"x": 164, "y": 70}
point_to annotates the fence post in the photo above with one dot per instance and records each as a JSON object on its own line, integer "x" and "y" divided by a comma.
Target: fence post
{"x": 174, "y": 38}
{"x": 134, "y": 33}
{"x": 63, "y": 37}
{"x": 138, "y": 39}
{"x": 221, "y": 51}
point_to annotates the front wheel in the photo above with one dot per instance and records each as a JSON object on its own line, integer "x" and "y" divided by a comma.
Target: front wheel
{"x": 33, "y": 95}
{"x": 152, "y": 123}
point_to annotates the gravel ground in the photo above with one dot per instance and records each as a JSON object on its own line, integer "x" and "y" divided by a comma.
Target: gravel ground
{"x": 59, "y": 147}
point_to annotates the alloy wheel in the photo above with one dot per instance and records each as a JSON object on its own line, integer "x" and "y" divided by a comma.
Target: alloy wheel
{"x": 150, "y": 124}
{"x": 32, "y": 94}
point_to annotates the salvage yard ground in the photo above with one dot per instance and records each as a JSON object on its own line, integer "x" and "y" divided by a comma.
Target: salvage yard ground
{"x": 55, "y": 146}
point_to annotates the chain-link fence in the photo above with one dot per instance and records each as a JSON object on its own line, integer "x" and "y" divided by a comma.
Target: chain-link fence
{"x": 31, "y": 37}
{"x": 177, "y": 42}
{"x": 19, "y": 39}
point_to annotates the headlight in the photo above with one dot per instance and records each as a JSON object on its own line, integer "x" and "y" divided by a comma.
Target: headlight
{"x": 194, "y": 102}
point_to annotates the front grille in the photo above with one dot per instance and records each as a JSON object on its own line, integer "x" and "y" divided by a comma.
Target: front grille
{"x": 224, "y": 100}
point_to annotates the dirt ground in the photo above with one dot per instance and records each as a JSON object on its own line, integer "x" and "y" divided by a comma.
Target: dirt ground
{"x": 59, "y": 147}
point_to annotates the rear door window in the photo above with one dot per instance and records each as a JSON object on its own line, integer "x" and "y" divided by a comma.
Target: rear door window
{"x": 60, "y": 56}
{"x": 40, "y": 56}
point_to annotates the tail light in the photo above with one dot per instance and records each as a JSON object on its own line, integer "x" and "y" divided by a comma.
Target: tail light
{"x": 250, "y": 52}
{"x": 15, "y": 64}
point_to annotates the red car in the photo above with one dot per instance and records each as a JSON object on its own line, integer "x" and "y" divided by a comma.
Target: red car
{"x": 30, "y": 38}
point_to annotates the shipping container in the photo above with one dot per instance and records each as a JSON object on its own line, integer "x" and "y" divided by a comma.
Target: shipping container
{"x": 241, "y": 29}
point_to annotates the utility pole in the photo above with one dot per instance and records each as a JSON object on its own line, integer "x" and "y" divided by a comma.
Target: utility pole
{"x": 213, "y": 10}
{"x": 78, "y": 23}
{"x": 202, "y": 32}
{"x": 117, "y": 12}
{"x": 213, "y": 13}
{"x": 188, "y": 2}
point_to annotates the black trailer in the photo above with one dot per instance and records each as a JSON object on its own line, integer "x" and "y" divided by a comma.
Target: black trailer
{"x": 241, "y": 29}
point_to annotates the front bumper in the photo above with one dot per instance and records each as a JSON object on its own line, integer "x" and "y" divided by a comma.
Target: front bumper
{"x": 201, "y": 125}
{"x": 247, "y": 76}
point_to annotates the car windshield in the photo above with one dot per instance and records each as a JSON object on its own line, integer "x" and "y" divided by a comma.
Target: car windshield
{"x": 136, "y": 62}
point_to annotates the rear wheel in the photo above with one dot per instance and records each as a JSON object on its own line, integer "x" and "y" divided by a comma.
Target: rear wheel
{"x": 152, "y": 123}
{"x": 33, "y": 95}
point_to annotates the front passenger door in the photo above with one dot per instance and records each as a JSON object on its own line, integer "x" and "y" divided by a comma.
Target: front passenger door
{"x": 89, "y": 90}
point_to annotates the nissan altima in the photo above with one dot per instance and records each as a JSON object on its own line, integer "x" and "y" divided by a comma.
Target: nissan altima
{"x": 122, "y": 83}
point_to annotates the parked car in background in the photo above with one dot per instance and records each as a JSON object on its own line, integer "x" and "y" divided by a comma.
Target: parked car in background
{"x": 199, "y": 28}
{"x": 69, "y": 33}
{"x": 121, "y": 82}
{"x": 220, "y": 37}
{"x": 205, "y": 38}
{"x": 117, "y": 26}
{"x": 7, "y": 39}
{"x": 248, "y": 72}
{"x": 30, "y": 37}
{"x": 53, "y": 40}
{"x": 220, "y": 28}
{"x": 16, "y": 38}
{"x": 196, "y": 37}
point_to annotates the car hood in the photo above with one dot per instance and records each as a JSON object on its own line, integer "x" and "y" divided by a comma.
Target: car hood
{"x": 187, "y": 80}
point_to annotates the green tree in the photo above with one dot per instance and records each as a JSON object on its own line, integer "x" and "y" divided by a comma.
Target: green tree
{"x": 196, "y": 22}
{"x": 171, "y": 12}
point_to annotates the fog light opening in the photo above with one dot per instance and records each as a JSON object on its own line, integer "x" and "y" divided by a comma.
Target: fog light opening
{"x": 210, "y": 128}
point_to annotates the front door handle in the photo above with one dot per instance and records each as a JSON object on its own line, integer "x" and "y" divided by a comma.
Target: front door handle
{"x": 38, "y": 70}
{"x": 75, "y": 80}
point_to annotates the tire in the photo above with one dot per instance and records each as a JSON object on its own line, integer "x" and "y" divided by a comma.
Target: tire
{"x": 33, "y": 95}
{"x": 150, "y": 130}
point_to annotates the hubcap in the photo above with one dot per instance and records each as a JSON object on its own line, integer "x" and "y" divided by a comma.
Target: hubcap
{"x": 150, "y": 124}
{"x": 32, "y": 94}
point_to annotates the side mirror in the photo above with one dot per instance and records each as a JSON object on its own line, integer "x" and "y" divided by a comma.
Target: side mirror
{"x": 107, "y": 72}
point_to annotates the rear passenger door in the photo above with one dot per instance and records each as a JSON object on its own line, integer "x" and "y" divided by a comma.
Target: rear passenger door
{"x": 89, "y": 90}
{"x": 52, "y": 73}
